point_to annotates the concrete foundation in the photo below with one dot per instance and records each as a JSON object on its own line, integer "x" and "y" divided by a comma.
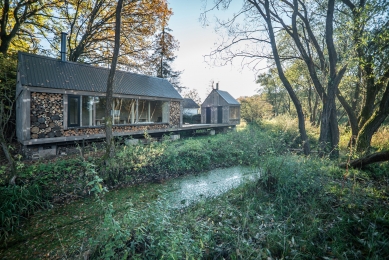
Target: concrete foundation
{"x": 174, "y": 137}
{"x": 131, "y": 141}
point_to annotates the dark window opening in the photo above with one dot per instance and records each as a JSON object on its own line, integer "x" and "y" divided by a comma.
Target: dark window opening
{"x": 73, "y": 110}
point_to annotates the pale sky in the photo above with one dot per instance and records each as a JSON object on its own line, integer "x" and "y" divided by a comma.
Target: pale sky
{"x": 197, "y": 41}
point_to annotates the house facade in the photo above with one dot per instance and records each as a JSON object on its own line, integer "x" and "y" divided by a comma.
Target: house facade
{"x": 220, "y": 108}
{"x": 60, "y": 101}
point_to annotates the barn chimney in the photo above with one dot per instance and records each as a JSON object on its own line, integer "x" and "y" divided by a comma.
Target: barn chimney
{"x": 217, "y": 86}
{"x": 63, "y": 46}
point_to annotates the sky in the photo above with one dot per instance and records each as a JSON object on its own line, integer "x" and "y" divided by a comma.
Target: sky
{"x": 197, "y": 41}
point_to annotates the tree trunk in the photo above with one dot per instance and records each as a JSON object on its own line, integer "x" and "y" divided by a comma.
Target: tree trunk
{"x": 369, "y": 159}
{"x": 110, "y": 151}
{"x": 352, "y": 117}
{"x": 371, "y": 126}
{"x": 315, "y": 110}
{"x": 286, "y": 83}
{"x": 4, "y": 119}
{"x": 329, "y": 131}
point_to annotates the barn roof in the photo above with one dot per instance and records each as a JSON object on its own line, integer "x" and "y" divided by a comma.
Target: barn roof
{"x": 41, "y": 71}
{"x": 227, "y": 97}
{"x": 189, "y": 103}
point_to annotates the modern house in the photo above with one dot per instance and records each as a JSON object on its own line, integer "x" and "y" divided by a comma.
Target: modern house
{"x": 190, "y": 107}
{"x": 220, "y": 108}
{"x": 61, "y": 101}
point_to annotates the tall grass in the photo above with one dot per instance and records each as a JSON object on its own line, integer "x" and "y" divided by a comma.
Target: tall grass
{"x": 18, "y": 203}
{"x": 161, "y": 160}
{"x": 302, "y": 208}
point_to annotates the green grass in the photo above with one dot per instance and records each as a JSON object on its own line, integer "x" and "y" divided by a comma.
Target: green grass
{"x": 302, "y": 207}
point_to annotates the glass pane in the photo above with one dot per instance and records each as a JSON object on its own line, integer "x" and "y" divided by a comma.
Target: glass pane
{"x": 234, "y": 112}
{"x": 100, "y": 103}
{"x": 87, "y": 110}
{"x": 151, "y": 111}
{"x": 73, "y": 111}
{"x": 124, "y": 111}
{"x": 127, "y": 110}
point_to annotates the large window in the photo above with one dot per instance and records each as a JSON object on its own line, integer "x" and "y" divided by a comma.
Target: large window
{"x": 90, "y": 111}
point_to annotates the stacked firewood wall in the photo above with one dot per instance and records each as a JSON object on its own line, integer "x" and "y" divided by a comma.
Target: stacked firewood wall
{"x": 47, "y": 119}
{"x": 46, "y": 115}
{"x": 175, "y": 114}
{"x": 121, "y": 129}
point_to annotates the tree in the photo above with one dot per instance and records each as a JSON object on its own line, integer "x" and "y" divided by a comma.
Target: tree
{"x": 18, "y": 22}
{"x": 369, "y": 26}
{"x": 163, "y": 56}
{"x": 312, "y": 42}
{"x": 7, "y": 97}
{"x": 110, "y": 151}
{"x": 91, "y": 39}
{"x": 194, "y": 95}
{"x": 255, "y": 108}
{"x": 275, "y": 92}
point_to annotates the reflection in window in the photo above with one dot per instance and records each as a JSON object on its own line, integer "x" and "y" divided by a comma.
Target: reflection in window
{"x": 234, "y": 112}
{"x": 73, "y": 110}
{"x": 124, "y": 111}
{"x": 92, "y": 110}
{"x": 152, "y": 111}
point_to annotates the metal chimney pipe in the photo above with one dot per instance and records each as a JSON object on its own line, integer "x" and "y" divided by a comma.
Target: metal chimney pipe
{"x": 217, "y": 86}
{"x": 63, "y": 46}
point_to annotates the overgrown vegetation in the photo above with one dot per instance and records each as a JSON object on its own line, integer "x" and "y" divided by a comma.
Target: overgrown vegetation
{"x": 301, "y": 208}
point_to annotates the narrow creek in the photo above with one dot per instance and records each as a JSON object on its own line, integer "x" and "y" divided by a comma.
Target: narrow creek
{"x": 182, "y": 192}
{"x": 50, "y": 231}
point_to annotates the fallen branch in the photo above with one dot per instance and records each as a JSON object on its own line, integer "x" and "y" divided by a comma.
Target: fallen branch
{"x": 366, "y": 160}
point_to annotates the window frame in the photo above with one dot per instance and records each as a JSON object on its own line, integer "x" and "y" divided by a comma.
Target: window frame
{"x": 78, "y": 124}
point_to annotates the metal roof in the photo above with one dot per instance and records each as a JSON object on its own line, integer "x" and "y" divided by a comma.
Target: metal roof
{"x": 41, "y": 71}
{"x": 227, "y": 97}
{"x": 189, "y": 103}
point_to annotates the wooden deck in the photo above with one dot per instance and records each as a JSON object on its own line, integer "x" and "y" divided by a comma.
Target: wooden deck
{"x": 186, "y": 127}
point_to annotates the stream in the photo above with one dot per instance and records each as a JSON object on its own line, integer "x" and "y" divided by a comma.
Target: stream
{"x": 49, "y": 231}
{"x": 184, "y": 191}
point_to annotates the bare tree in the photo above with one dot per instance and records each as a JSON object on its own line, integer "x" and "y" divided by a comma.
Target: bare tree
{"x": 260, "y": 22}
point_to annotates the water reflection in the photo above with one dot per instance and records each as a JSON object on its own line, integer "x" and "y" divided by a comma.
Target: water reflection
{"x": 184, "y": 191}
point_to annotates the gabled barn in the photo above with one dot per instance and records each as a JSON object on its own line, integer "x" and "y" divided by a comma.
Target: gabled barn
{"x": 190, "y": 107}
{"x": 220, "y": 108}
{"x": 61, "y": 101}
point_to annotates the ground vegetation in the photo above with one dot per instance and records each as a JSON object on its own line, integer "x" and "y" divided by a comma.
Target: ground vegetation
{"x": 302, "y": 207}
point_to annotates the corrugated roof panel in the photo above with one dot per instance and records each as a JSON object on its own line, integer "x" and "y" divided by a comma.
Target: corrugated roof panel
{"x": 47, "y": 72}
